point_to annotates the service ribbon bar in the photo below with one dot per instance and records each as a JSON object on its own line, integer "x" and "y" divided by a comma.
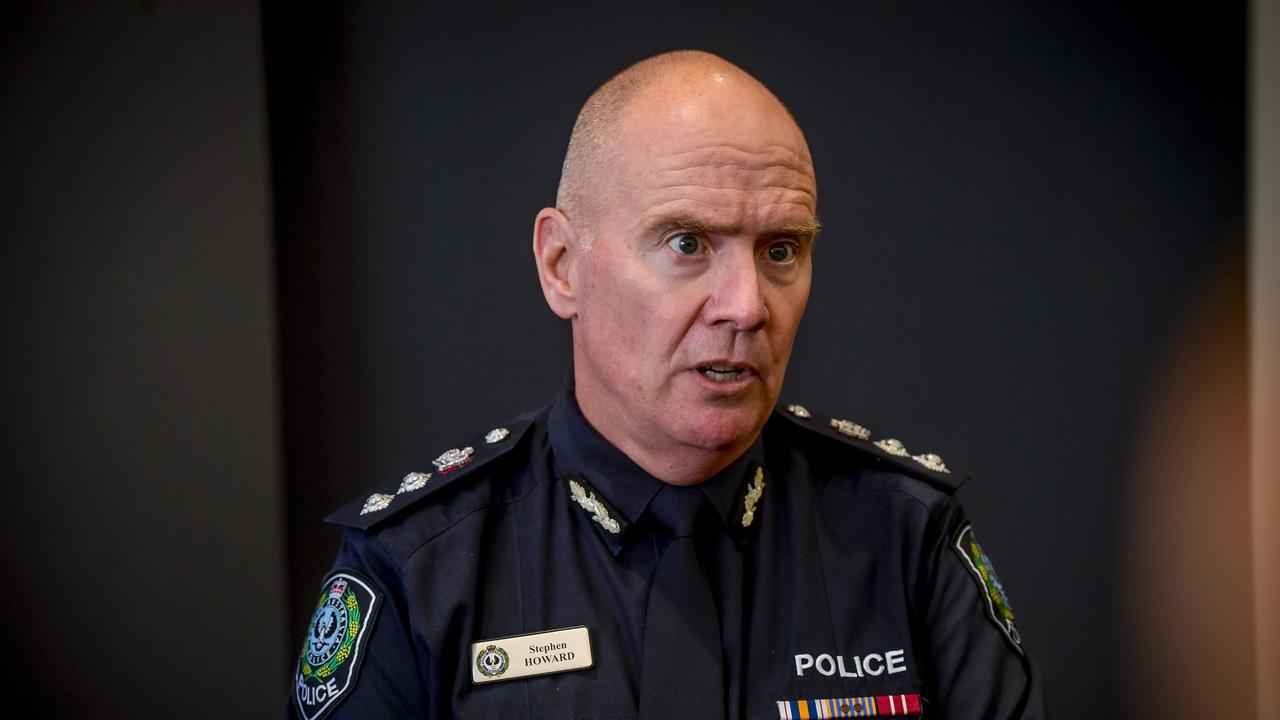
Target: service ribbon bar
{"x": 850, "y": 707}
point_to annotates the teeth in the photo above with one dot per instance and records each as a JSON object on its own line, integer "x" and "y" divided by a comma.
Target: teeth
{"x": 721, "y": 373}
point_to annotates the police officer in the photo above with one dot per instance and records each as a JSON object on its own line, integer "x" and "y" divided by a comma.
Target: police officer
{"x": 662, "y": 541}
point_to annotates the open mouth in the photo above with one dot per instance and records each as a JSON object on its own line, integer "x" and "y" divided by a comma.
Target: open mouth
{"x": 722, "y": 373}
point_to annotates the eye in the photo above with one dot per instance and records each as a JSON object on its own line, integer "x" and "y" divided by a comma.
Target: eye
{"x": 782, "y": 252}
{"x": 685, "y": 244}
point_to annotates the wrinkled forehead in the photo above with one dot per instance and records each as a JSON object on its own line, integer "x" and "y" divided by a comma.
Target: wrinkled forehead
{"x": 711, "y": 120}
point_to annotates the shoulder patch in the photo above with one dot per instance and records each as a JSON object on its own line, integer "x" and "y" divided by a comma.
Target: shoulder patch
{"x": 979, "y": 565}
{"x": 335, "y": 644}
{"x": 889, "y": 451}
{"x": 448, "y": 467}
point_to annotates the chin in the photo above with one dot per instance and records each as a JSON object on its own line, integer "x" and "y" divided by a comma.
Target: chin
{"x": 720, "y": 429}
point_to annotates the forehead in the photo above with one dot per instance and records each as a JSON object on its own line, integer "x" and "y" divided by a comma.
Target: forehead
{"x": 730, "y": 178}
{"x": 722, "y": 148}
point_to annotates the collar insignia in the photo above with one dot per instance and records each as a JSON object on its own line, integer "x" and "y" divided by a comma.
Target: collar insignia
{"x": 754, "y": 491}
{"x": 587, "y": 500}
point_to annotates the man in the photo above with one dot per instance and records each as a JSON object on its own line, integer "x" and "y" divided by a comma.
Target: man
{"x": 660, "y": 541}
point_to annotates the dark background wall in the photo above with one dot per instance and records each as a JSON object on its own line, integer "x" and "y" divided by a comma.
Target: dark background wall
{"x": 139, "y": 477}
{"x": 1021, "y": 202}
{"x": 1022, "y": 205}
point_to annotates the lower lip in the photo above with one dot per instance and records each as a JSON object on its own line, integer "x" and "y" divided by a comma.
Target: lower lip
{"x": 725, "y": 387}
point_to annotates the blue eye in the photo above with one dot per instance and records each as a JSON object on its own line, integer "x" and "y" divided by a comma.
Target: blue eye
{"x": 685, "y": 244}
{"x": 782, "y": 252}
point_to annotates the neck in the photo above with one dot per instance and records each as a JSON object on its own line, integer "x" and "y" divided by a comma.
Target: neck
{"x": 671, "y": 462}
{"x": 675, "y": 465}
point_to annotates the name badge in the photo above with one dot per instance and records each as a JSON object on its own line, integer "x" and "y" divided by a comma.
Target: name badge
{"x": 518, "y": 656}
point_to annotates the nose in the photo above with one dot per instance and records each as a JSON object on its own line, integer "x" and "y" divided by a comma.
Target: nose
{"x": 737, "y": 297}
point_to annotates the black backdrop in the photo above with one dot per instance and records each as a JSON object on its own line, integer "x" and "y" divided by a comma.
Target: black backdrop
{"x": 1020, "y": 202}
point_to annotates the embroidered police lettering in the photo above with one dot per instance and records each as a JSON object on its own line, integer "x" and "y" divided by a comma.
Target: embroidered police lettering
{"x": 846, "y": 673}
{"x": 802, "y": 662}
{"x": 317, "y": 694}
{"x": 830, "y": 664}
{"x": 889, "y": 662}
{"x": 894, "y": 662}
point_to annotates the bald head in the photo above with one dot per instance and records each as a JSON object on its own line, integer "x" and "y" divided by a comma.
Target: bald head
{"x": 589, "y": 175}
{"x": 681, "y": 253}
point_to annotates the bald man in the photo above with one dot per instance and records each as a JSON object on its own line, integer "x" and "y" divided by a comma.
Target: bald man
{"x": 661, "y": 541}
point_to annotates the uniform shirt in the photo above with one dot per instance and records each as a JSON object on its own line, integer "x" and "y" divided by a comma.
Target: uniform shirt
{"x": 846, "y": 578}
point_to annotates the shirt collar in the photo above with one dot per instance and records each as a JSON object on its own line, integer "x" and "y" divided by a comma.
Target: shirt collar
{"x": 614, "y": 489}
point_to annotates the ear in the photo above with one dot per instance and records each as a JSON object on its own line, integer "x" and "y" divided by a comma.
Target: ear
{"x": 555, "y": 250}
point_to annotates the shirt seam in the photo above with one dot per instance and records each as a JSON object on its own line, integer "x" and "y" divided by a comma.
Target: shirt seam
{"x": 400, "y": 566}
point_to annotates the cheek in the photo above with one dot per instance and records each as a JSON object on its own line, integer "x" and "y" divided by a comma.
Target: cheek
{"x": 611, "y": 314}
{"x": 796, "y": 308}
{"x": 789, "y": 300}
{"x": 641, "y": 308}
{"x": 788, "y": 308}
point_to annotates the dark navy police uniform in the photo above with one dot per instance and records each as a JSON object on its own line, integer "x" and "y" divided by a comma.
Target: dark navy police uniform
{"x": 846, "y": 581}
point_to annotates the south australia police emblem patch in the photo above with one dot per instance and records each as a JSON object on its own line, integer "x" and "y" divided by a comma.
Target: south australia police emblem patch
{"x": 335, "y": 643}
{"x": 992, "y": 589}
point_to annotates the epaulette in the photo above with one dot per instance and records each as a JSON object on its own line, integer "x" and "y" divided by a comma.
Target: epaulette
{"x": 890, "y": 451}
{"x": 451, "y": 467}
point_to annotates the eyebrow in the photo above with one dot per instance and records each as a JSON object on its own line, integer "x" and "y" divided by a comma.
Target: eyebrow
{"x": 807, "y": 230}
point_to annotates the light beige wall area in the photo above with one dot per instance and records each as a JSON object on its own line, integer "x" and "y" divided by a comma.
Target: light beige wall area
{"x": 1188, "y": 567}
{"x": 1264, "y": 247}
{"x": 1202, "y": 564}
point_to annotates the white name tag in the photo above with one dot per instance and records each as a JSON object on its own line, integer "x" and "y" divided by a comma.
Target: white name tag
{"x": 543, "y": 653}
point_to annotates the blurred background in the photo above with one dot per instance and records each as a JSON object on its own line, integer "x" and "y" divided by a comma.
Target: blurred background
{"x": 259, "y": 258}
